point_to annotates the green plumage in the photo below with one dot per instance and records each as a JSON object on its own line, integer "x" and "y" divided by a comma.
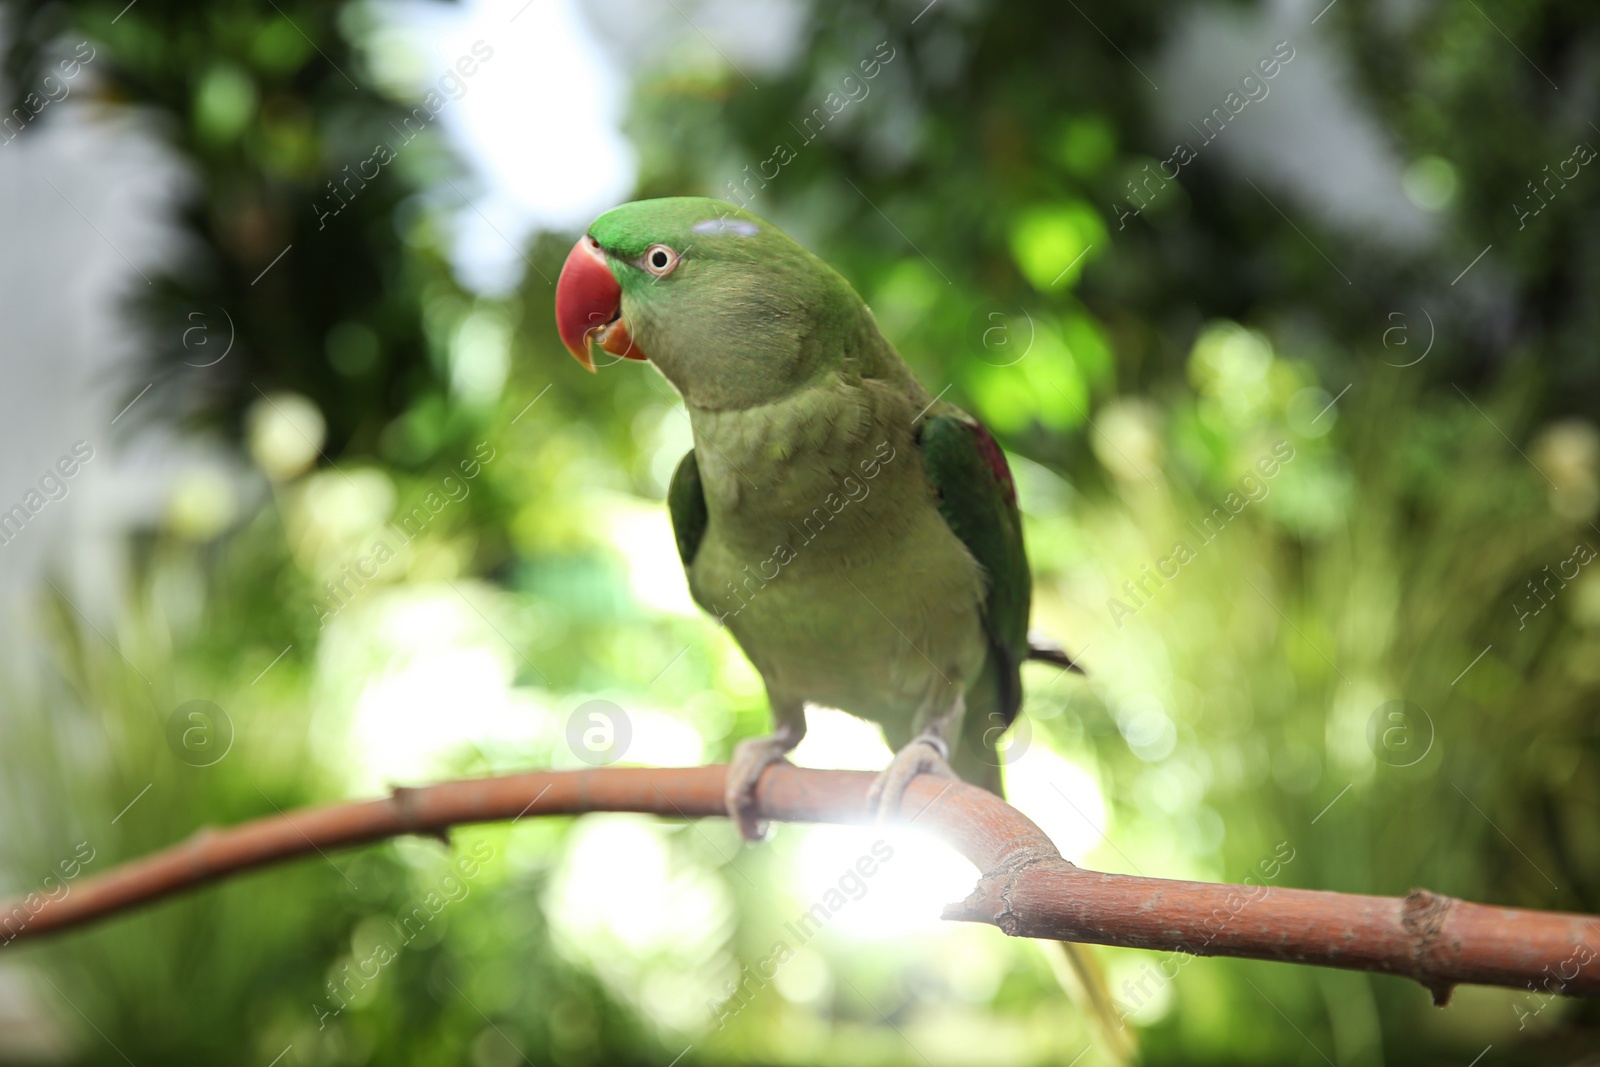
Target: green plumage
{"x": 860, "y": 540}
{"x": 687, "y": 505}
{"x": 977, "y": 499}
{"x": 978, "y": 504}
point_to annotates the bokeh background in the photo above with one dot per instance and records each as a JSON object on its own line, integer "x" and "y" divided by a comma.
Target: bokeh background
{"x": 276, "y": 274}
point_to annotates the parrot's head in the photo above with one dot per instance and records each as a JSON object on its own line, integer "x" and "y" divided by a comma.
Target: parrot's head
{"x": 732, "y": 310}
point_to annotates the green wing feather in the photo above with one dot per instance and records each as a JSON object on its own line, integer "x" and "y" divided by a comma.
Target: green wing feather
{"x": 686, "y": 502}
{"x": 978, "y": 500}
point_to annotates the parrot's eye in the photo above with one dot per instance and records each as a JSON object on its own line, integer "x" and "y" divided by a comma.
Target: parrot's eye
{"x": 660, "y": 260}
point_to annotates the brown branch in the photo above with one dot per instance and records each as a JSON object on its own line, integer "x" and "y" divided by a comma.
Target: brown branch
{"x": 1027, "y": 889}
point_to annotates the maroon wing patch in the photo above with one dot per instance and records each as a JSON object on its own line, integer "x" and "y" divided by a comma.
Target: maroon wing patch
{"x": 992, "y": 455}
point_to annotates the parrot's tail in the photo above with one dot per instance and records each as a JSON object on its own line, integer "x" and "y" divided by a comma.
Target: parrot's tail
{"x": 1079, "y": 974}
{"x": 1044, "y": 650}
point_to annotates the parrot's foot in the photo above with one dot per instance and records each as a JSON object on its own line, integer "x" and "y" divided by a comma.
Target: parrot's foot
{"x": 751, "y": 757}
{"x": 926, "y": 754}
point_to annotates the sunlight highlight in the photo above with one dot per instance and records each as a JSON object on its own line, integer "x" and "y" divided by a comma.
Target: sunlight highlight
{"x": 904, "y": 895}
{"x": 1063, "y": 798}
{"x": 540, "y": 124}
{"x": 838, "y": 741}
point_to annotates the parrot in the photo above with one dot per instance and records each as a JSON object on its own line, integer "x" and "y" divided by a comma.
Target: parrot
{"x": 859, "y": 537}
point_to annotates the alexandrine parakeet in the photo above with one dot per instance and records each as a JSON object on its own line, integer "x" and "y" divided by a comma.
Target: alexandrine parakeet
{"x": 858, "y": 536}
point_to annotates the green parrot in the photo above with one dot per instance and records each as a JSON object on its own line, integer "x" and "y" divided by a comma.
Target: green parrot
{"x": 858, "y": 536}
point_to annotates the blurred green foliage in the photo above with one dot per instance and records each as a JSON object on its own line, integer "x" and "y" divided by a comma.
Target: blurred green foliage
{"x": 1141, "y": 376}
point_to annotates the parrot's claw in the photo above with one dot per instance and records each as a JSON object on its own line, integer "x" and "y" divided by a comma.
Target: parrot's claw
{"x": 750, "y": 758}
{"x": 926, "y": 754}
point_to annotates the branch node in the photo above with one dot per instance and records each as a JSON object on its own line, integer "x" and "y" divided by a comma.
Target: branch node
{"x": 1423, "y": 915}
{"x": 194, "y": 849}
{"x": 407, "y": 798}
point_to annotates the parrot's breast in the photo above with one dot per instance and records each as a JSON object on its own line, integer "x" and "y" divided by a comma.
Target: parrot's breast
{"x": 826, "y": 557}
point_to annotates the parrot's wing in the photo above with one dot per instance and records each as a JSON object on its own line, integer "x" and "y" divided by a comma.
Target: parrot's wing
{"x": 978, "y": 500}
{"x": 686, "y": 501}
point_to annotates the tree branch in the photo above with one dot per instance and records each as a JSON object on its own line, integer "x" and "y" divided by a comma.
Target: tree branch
{"x": 1026, "y": 889}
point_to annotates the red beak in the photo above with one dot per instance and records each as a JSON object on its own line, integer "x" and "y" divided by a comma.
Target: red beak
{"x": 589, "y": 303}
